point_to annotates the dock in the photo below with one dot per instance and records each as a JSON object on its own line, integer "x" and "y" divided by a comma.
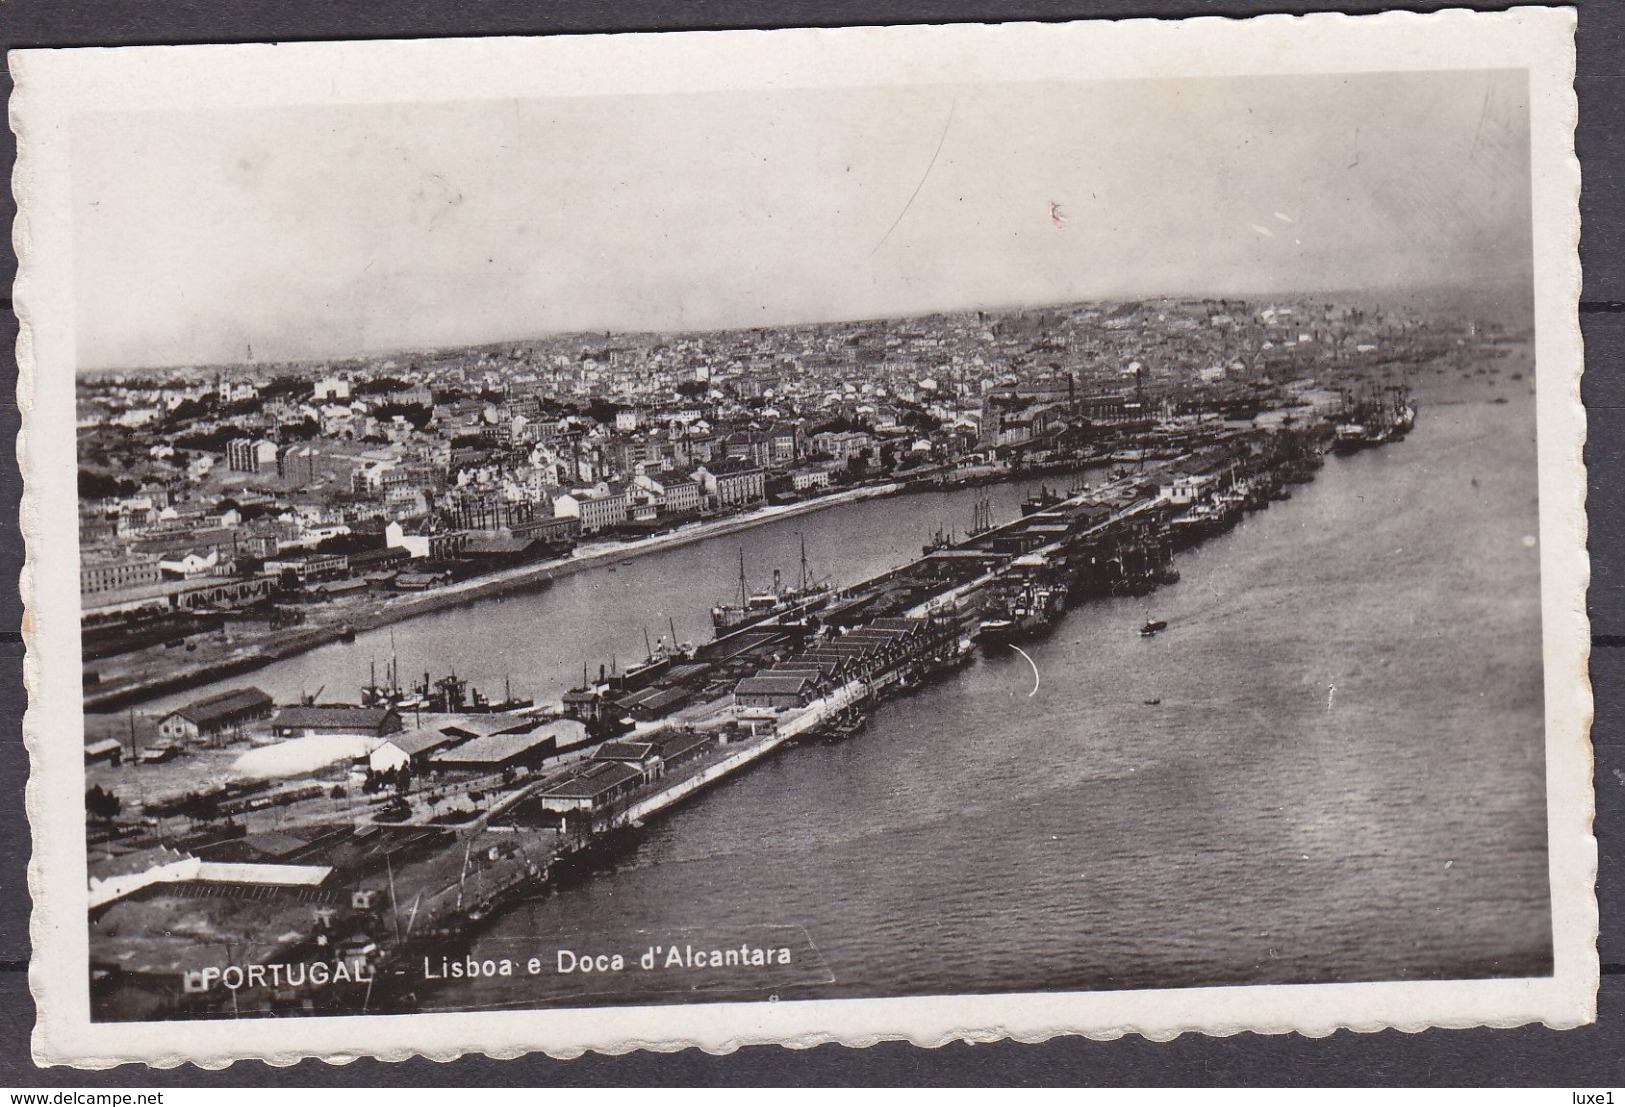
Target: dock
{"x": 646, "y": 740}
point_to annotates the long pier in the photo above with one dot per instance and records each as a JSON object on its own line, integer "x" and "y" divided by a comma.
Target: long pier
{"x": 922, "y": 605}
{"x": 953, "y": 596}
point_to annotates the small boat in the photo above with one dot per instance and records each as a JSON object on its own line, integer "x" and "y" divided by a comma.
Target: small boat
{"x": 1154, "y": 703}
{"x": 941, "y": 540}
{"x": 1153, "y": 627}
{"x": 845, "y": 725}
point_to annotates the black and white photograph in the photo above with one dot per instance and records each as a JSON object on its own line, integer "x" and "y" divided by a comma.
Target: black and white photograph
{"x": 957, "y": 532}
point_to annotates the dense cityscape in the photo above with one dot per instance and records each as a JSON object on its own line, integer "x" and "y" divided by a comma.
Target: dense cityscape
{"x": 234, "y": 515}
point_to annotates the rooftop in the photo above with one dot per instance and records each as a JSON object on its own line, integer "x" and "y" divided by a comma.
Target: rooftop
{"x": 331, "y": 715}
{"x": 494, "y": 749}
{"x": 414, "y": 742}
{"x": 592, "y": 781}
{"x": 625, "y": 751}
{"x": 768, "y": 685}
{"x": 225, "y": 706}
{"x": 679, "y": 742}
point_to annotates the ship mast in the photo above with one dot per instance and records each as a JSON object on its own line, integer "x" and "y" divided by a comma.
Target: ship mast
{"x": 744, "y": 597}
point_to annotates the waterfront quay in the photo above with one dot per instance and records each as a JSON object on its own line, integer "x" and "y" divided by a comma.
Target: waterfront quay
{"x": 364, "y": 834}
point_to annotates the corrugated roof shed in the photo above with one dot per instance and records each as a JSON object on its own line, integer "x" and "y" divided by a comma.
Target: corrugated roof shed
{"x": 414, "y": 742}
{"x": 478, "y": 726}
{"x": 763, "y": 685}
{"x": 801, "y": 667}
{"x": 666, "y": 700}
{"x": 625, "y": 751}
{"x": 676, "y": 745}
{"x": 494, "y": 749}
{"x": 361, "y": 720}
{"x": 226, "y": 706}
{"x": 593, "y": 781}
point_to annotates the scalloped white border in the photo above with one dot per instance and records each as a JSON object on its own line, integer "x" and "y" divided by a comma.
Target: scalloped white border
{"x": 52, "y": 85}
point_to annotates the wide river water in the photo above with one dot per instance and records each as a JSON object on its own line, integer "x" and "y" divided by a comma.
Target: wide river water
{"x": 1330, "y": 766}
{"x": 1343, "y": 779}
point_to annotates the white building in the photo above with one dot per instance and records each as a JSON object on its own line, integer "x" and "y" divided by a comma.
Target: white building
{"x": 331, "y": 388}
{"x": 597, "y": 508}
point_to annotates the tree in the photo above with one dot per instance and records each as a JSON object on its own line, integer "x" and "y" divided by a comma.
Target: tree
{"x": 201, "y": 807}
{"x": 602, "y": 410}
{"x": 284, "y": 387}
{"x": 241, "y": 407}
{"x": 354, "y": 542}
{"x": 302, "y": 431}
{"x": 416, "y": 414}
{"x": 837, "y": 425}
{"x": 102, "y": 803}
{"x": 185, "y": 410}
{"x": 102, "y": 486}
{"x": 379, "y": 386}
{"x": 250, "y": 512}
{"x": 919, "y": 419}
{"x": 213, "y": 441}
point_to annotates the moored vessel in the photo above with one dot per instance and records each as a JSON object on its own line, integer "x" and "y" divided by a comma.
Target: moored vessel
{"x": 808, "y": 595}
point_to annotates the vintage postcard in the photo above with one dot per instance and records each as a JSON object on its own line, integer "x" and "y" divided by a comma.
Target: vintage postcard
{"x": 677, "y": 540}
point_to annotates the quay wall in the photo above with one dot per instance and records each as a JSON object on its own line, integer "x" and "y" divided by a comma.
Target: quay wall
{"x": 810, "y": 717}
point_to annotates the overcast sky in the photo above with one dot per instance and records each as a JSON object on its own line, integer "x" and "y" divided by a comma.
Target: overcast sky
{"x": 336, "y": 231}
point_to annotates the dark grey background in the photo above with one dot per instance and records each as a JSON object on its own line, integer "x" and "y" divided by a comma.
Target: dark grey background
{"x": 1586, "y": 1058}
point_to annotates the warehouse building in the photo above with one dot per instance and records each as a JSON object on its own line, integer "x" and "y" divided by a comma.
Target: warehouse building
{"x": 209, "y": 718}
